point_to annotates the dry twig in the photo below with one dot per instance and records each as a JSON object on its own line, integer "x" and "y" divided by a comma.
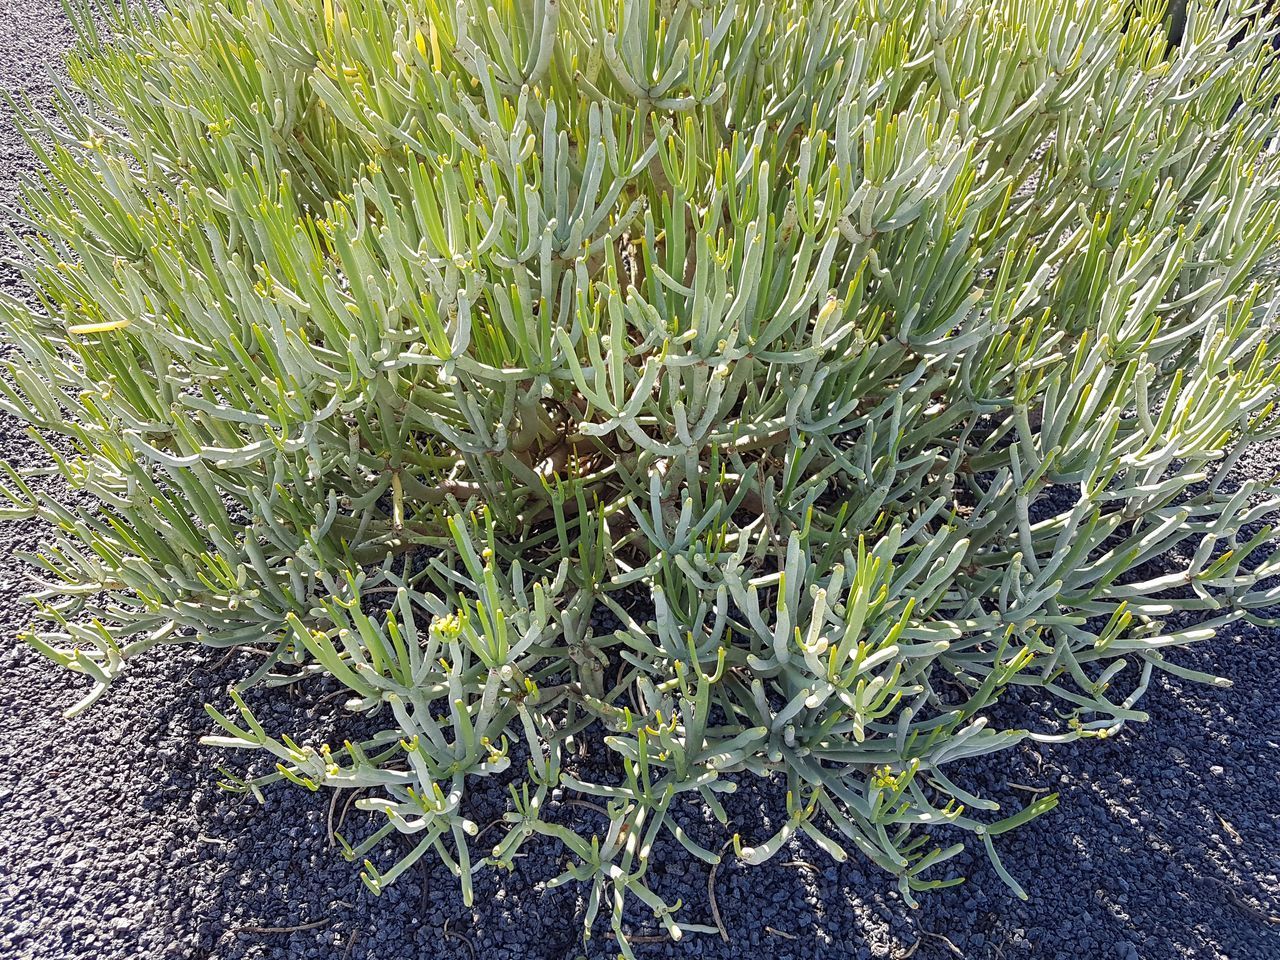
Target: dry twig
{"x": 644, "y": 937}
{"x": 347, "y": 806}
{"x": 711, "y": 894}
{"x": 1231, "y": 831}
{"x": 1023, "y": 787}
{"x": 250, "y": 930}
{"x": 801, "y": 863}
{"x": 950, "y": 946}
{"x": 458, "y": 936}
{"x": 333, "y": 802}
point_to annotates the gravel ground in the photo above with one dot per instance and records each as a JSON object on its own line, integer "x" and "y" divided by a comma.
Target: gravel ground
{"x": 115, "y": 842}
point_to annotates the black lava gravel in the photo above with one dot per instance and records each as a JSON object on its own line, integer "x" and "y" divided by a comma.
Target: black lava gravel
{"x": 116, "y": 843}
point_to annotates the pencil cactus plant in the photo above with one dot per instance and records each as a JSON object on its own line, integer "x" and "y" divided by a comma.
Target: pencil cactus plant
{"x": 852, "y": 359}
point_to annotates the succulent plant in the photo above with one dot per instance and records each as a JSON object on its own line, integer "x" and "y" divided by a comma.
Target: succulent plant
{"x": 849, "y": 361}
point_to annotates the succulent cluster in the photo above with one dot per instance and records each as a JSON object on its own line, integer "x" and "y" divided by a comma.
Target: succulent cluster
{"x": 852, "y": 357}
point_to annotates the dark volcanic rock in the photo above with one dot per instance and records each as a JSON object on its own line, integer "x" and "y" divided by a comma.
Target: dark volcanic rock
{"x": 115, "y": 842}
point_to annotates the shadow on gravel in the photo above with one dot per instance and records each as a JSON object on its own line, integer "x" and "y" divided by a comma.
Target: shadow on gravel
{"x": 115, "y": 842}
